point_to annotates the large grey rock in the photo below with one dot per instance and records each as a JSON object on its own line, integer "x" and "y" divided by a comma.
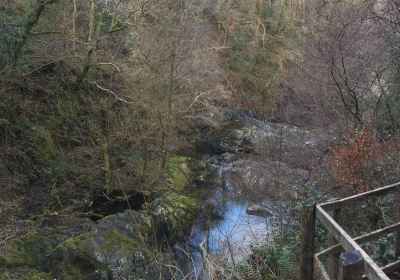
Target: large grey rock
{"x": 227, "y": 140}
{"x": 113, "y": 248}
{"x": 258, "y": 210}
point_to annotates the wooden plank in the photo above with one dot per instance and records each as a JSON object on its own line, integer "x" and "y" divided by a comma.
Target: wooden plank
{"x": 377, "y": 233}
{"x": 391, "y": 267}
{"x": 336, "y": 249}
{"x": 319, "y": 270}
{"x": 371, "y": 269}
{"x": 333, "y": 260}
{"x": 397, "y": 244}
{"x": 331, "y": 205}
{"x": 351, "y": 266}
{"x": 361, "y": 239}
{"x": 333, "y": 228}
{"x": 307, "y": 241}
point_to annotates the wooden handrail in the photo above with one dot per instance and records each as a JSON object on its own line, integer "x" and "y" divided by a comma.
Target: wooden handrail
{"x": 346, "y": 245}
{"x": 330, "y": 251}
{"x": 331, "y": 205}
{"x": 372, "y": 270}
{"x": 361, "y": 239}
{"x": 320, "y": 272}
{"x": 377, "y": 233}
{"x": 391, "y": 267}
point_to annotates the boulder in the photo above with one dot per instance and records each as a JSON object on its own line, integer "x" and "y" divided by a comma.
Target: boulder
{"x": 227, "y": 140}
{"x": 247, "y": 146}
{"x": 113, "y": 248}
{"x": 24, "y": 274}
{"x": 172, "y": 215}
{"x": 178, "y": 173}
{"x": 258, "y": 210}
{"x": 228, "y": 157}
{"x": 119, "y": 246}
{"x": 100, "y": 254}
{"x": 34, "y": 249}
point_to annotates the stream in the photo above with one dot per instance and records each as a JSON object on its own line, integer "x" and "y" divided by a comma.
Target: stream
{"x": 226, "y": 228}
{"x": 229, "y": 232}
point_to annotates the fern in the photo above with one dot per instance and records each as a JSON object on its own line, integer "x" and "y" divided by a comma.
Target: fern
{"x": 247, "y": 271}
{"x": 276, "y": 260}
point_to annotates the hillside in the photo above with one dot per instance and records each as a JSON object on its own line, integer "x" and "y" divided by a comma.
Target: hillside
{"x": 179, "y": 139}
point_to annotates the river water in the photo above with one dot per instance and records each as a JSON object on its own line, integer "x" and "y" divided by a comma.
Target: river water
{"x": 225, "y": 230}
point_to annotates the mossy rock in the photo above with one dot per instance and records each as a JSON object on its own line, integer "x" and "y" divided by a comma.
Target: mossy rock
{"x": 34, "y": 248}
{"x": 31, "y": 251}
{"x": 180, "y": 171}
{"x": 107, "y": 249}
{"x": 258, "y": 210}
{"x": 24, "y": 274}
{"x": 227, "y": 139}
{"x": 173, "y": 214}
{"x": 113, "y": 249}
{"x": 197, "y": 165}
{"x": 93, "y": 255}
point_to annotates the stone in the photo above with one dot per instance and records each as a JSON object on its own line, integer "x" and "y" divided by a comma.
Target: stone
{"x": 247, "y": 146}
{"x": 227, "y": 140}
{"x": 178, "y": 173}
{"x": 258, "y": 210}
{"x": 33, "y": 249}
{"x": 228, "y": 157}
{"x": 118, "y": 246}
{"x": 105, "y": 250}
{"x": 172, "y": 214}
{"x": 24, "y": 274}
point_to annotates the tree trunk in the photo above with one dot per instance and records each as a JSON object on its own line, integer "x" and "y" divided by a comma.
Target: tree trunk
{"x": 30, "y": 22}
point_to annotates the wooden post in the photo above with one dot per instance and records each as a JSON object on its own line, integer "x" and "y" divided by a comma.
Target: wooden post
{"x": 307, "y": 241}
{"x": 397, "y": 244}
{"x": 351, "y": 266}
{"x": 333, "y": 260}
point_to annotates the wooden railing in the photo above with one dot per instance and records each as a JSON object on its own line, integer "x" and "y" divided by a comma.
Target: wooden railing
{"x": 346, "y": 260}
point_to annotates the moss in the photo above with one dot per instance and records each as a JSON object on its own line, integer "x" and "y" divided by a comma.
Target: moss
{"x": 24, "y": 274}
{"x": 111, "y": 240}
{"x": 176, "y": 160}
{"x": 178, "y": 173}
{"x": 180, "y": 170}
{"x": 175, "y": 211}
{"x": 92, "y": 254}
{"x": 25, "y": 251}
{"x": 50, "y": 148}
{"x": 74, "y": 260}
{"x": 197, "y": 165}
{"x": 43, "y": 143}
{"x": 199, "y": 169}
{"x": 34, "y": 248}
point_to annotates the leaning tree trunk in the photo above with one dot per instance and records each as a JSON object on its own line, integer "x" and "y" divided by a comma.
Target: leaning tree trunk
{"x": 27, "y": 26}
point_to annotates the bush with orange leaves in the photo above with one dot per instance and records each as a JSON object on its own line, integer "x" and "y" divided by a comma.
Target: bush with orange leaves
{"x": 356, "y": 162}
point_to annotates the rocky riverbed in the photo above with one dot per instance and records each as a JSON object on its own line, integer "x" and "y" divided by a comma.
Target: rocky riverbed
{"x": 256, "y": 172}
